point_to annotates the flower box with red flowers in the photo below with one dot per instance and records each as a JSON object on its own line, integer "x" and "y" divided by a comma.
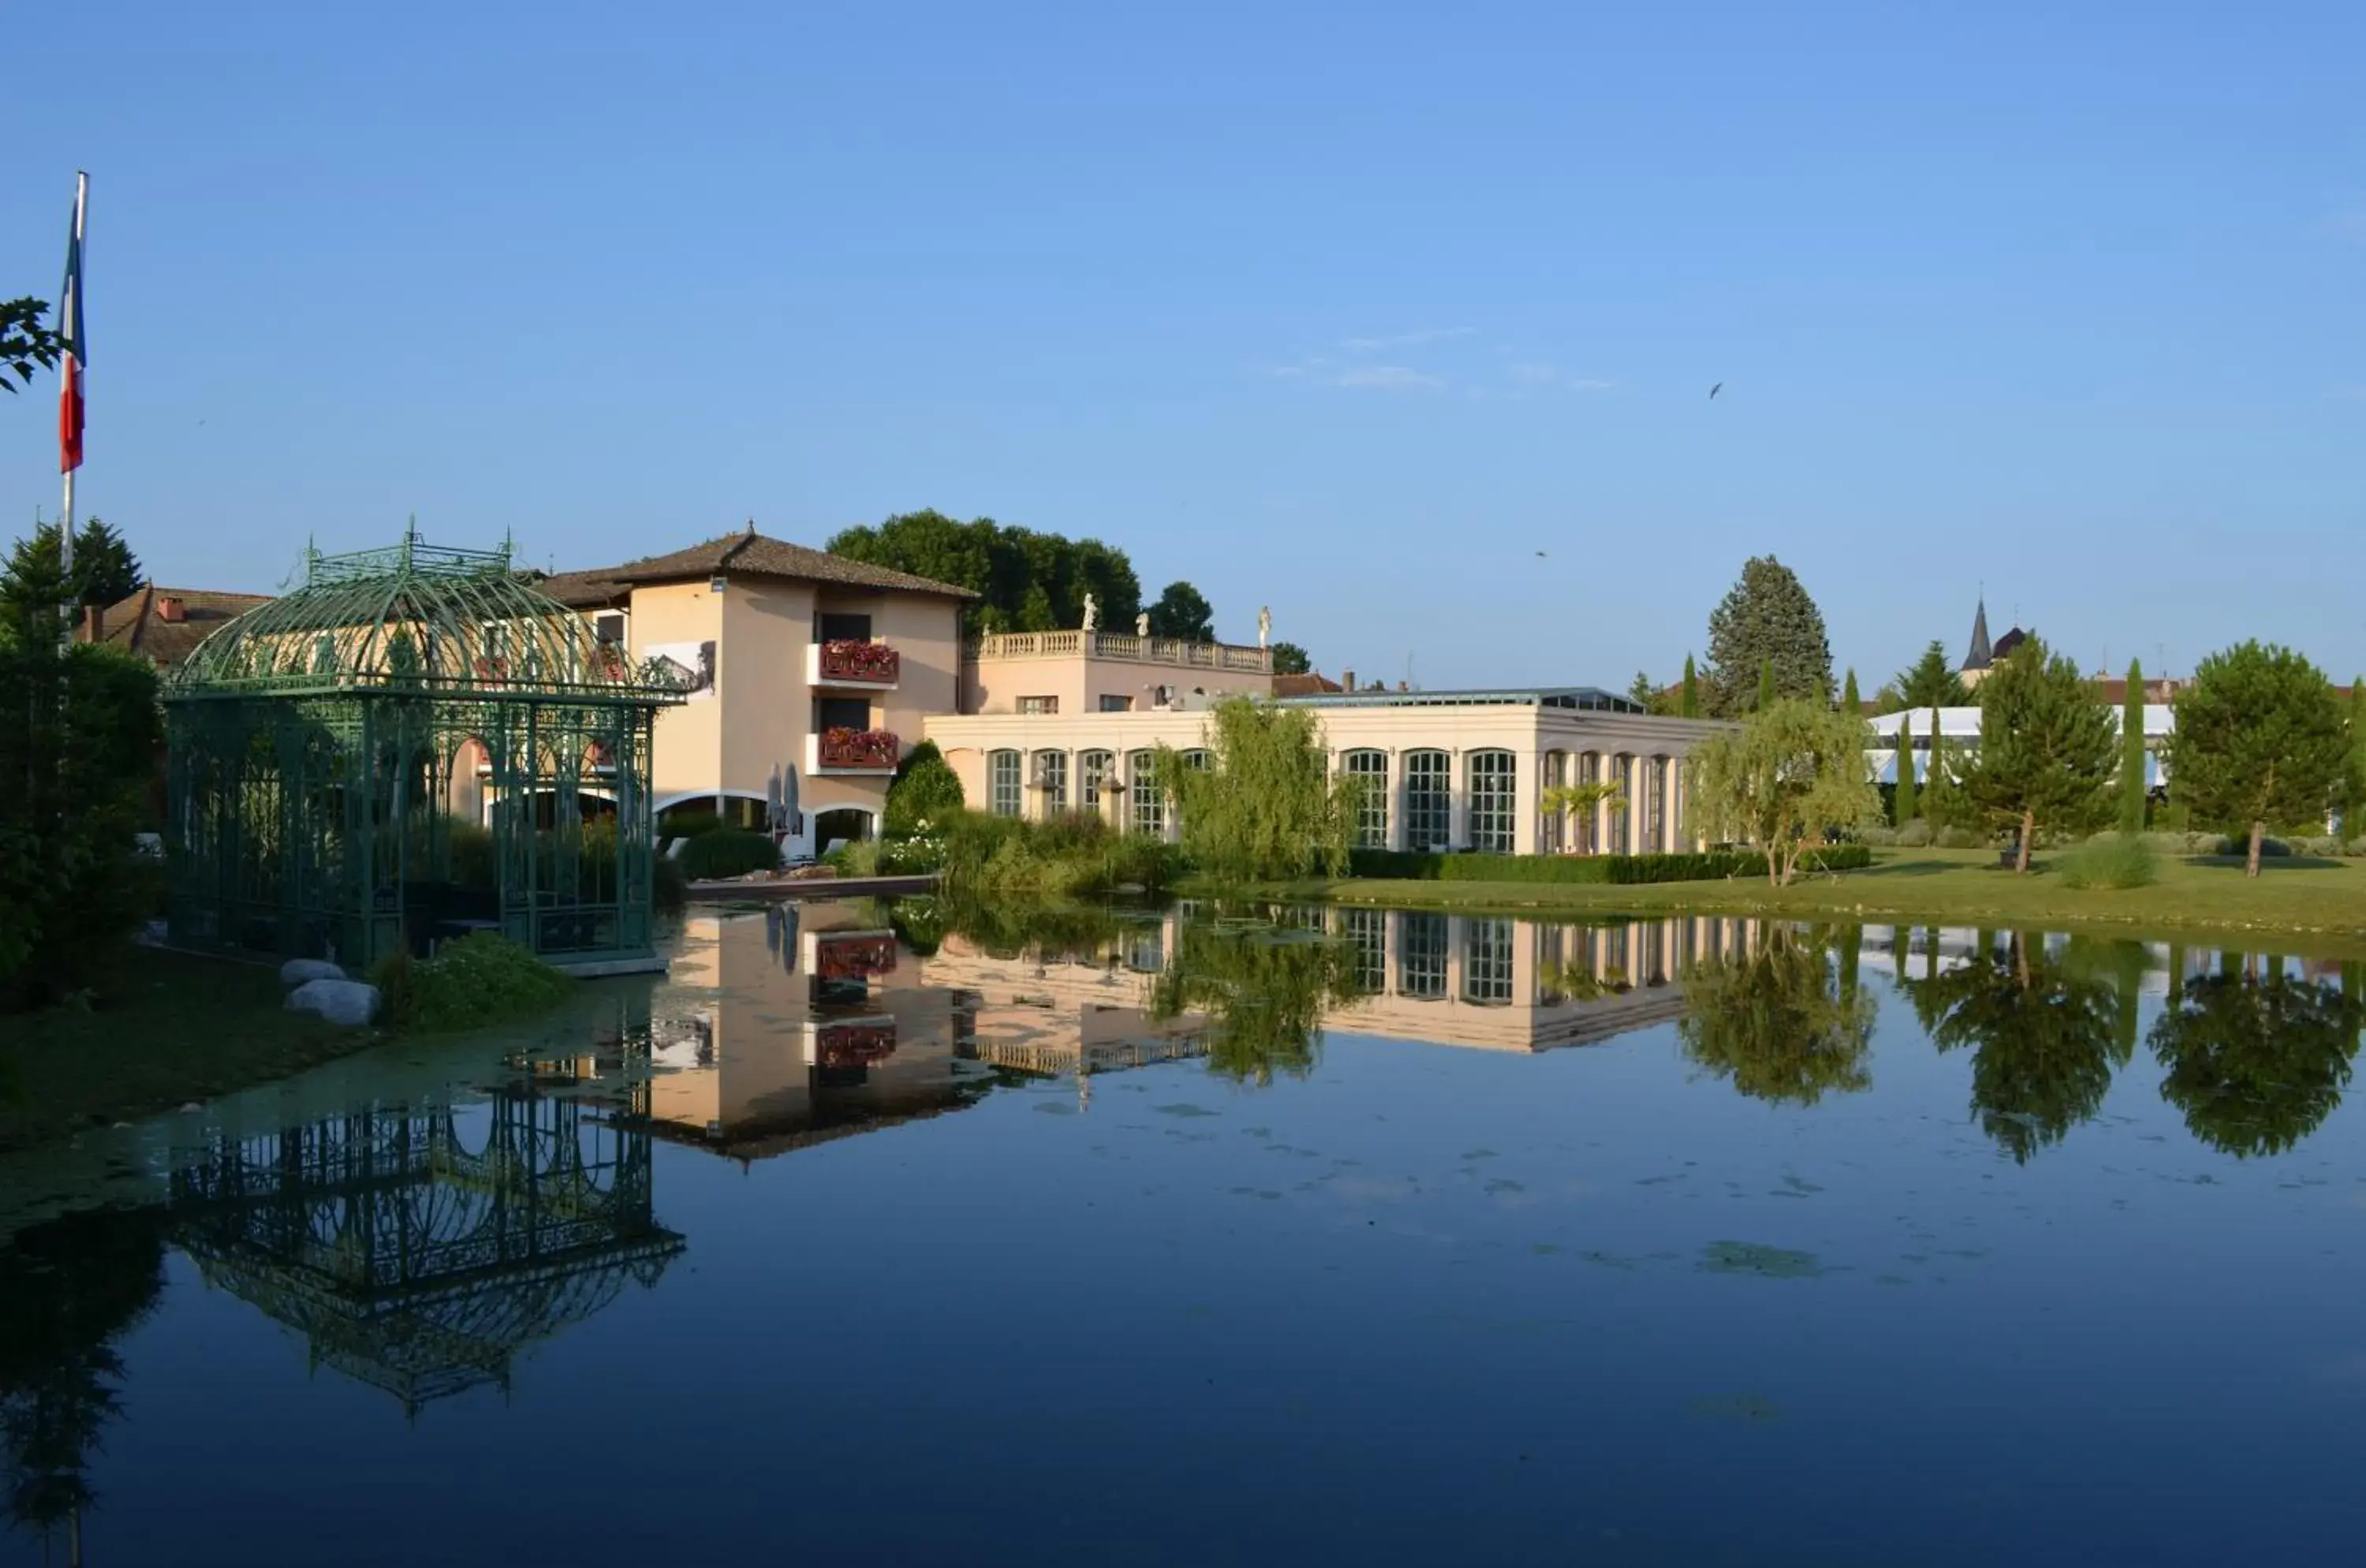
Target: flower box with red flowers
{"x": 857, "y": 658}
{"x": 854, "y": 1045}
{"x": 855, "y": 957}
{"x": 859, "y": 748}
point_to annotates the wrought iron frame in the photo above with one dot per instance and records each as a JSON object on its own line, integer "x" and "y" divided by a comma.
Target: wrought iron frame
{"x": 311, "y": 752}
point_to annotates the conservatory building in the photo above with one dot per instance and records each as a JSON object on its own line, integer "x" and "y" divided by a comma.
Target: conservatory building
{"x": 1447, "y": 770}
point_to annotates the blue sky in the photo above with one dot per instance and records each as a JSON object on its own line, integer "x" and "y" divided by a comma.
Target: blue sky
{"x": 1346, "y": 310}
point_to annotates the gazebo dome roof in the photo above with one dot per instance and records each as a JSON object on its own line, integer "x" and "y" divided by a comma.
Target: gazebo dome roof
{"x": 445, "y": 621}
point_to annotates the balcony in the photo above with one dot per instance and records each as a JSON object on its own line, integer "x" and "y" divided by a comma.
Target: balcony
{"x": 872, "y": 666}
{"x": 852, "y": 1042}
{"x": 845, "y": 751}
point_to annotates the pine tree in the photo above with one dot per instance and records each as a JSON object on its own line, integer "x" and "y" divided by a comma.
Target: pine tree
{"x": 2260, "y": 743}
{"x": 1767, "y": 618}
{"x": 1692, "y": 688}
{"x": 2132, "y": 751}
{"x": 1901, "y": 804}
{"x": 1850, "y": 702}
{"x": 1766, "y": 684}
{"x": 2048, "y": 749}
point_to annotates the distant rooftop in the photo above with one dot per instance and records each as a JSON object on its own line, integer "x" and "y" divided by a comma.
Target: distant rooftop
{"x": 1589, "y": 697}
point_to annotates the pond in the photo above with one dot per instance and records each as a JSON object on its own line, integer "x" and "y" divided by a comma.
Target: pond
{"x": 890, "y": 1234}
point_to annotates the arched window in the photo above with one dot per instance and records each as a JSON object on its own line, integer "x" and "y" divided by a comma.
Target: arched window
{"x": 1200, "y": 760}
{"x": 1494, "y": 797}
{"x": 1372, "y": 806}
{"x": 1421, "y": 956}
{"x": 1149, "y": 814}
{"x": 1052, "y": 778}
{"x": 1002, "y": 783}
{"x": 1092, "y": 777}
{"x": 1487, "y": 962}
{"x": 1655, "y": 797}
{"x": 1555, "y": 775}
{"x": 1367, "y": 930}
{"x": 1429, "y": 800}
{"x": 1619, "y": 769}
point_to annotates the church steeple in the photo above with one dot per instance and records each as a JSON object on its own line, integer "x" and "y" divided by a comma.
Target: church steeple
{"x": 1979, "y": 658}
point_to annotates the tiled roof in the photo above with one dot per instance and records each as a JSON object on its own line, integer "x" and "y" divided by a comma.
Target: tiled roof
{"x": 1309, "y": 686}
{"x": 138, "y": 625}
{"x": 751, "y": 553}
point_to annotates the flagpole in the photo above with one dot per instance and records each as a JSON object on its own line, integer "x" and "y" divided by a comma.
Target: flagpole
{"x": 72, "y": 386}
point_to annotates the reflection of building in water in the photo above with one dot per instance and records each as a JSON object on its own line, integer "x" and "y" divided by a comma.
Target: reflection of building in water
{"x": 412, "y": 1261}
{"x": 796, "y": 1024}
{"x": 1489, "y": 983}
{"x": 1919, "y": 952}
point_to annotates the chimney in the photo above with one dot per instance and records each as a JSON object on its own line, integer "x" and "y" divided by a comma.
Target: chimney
{"x": 170, "y": 609}
{"x": 1348, "y": 680}
{"x": 94, "y": 622}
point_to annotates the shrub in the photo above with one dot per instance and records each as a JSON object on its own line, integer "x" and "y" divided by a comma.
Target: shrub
{"x": 2322, "y": 846}
{"x": 1418, "y": 866}
{"x": 1064, "y": 856}
{"x": 2354, "y": 847}
{"x": 926, "y": 794}
{"x": 2181, "y": 842}
{"x": 1915, "y": 835}
{"x": 1881, "y": 837}
{"x": 687, "y": 822}
{"x": 2112, "y": 861}
{"x": 728, "y": 852}
{"x": 472, "y": 981}
{"x": 472, "y": 861}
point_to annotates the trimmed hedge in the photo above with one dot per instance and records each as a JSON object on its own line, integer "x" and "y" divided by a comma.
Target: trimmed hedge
{"x": 1415, "y": 865}
{"x": 728, "y": 852}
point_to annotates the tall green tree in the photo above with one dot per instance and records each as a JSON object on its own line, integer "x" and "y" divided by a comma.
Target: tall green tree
{"x": 1775, "y": 1024}
{"x": 1691, "y": 700}
{"x": 2047, "y": 747}
{"x": 1931, "y": 681}
{"x": 1026, "y": 580}
{"x": 1850, "y": 702}
{"x": 1289, "y": 659}
{"x": 1766, "y": 686}
{"x": 1268, "y": 808}
{"x": 1182, "y": 611}
{"x": 1780, "y": 779}
{"x": 2045, "y": 1038}
{"x": 104, "y": 572}
{"x": 1903, "y": 806}
{"x": 2259, "y": 741}
{"x": 2132, "y": 751}
{"x": 1941, "y": 803}
{"x": 2255, "y": 1062}
{"x": 26, "y": 345}
{"x": 2353, "y": 795}
{"x": 1766, "y": 618}
{"x": 1642, "y": 691}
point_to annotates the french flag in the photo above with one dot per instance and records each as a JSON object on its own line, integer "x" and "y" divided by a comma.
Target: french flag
{"x": 77, "y": 354}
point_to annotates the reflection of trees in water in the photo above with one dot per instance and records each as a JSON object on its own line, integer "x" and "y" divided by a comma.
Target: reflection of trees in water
{"x": 69, "y": 1290}
{"x": 1775, "y": 1021}
{"x": 1263, "y": 988}
{"x": 2256, "y": 1061}
{"x": 2046, "y": 1033}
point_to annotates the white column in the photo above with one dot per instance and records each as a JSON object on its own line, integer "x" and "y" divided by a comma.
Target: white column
{"x": 1639, "y": 803}
{"x": 1395, "y": 787}
{"x": 1457, "y": 799}
{"x": 1527, "y": 768}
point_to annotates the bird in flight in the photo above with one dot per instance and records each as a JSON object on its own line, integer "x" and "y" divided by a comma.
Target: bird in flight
{"x": 1540, "y": 555}
{"x": 1713, "y": 391}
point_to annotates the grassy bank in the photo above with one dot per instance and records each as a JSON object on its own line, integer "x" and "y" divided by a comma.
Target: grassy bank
{"x": 2322, "y": 900}
{"x": 169, "y": 1029}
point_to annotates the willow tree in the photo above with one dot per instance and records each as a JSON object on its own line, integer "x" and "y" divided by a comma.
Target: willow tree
{"x": 1781, "y": 779}
{"x": 1774, "y": 1023}
{"x": 1266, "y": 807}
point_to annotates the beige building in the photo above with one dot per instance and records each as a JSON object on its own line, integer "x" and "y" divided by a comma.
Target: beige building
{"x": 1460, "y": 770}
{"x": 795, "y": 658}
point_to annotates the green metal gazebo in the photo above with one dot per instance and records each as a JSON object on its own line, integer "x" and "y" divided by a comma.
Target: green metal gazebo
{"x": 414, "y": 744}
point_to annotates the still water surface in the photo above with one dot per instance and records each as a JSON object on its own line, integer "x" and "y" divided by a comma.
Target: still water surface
{"x": 1291, "y": 1237}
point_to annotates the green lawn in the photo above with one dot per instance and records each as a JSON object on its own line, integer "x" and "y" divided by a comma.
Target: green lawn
{"x": 173, "y": 1028}
{"x": 2322, "y": 900}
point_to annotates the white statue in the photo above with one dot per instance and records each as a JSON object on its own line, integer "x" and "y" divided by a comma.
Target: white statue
{"x": 1092, "y": 612}
{"x": 1265, "y": 626}
{"x": 1142, "y": 624}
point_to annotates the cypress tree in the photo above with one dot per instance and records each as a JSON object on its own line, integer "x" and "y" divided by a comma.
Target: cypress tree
{"x": 1850, "y": 702}
{"x": 1766, "y": 684}
{"x": 2131, "y": 752}
{"x": 1692, "y": 688}
{"x": 1937, "y": 802}
{"x": 1901, "y": 805}
{"x": 2353, "y": 809}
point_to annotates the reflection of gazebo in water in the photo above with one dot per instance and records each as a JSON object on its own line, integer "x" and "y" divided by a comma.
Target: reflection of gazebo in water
{"x": 313, "y": 748}
{"x": 413, "y": 1263}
